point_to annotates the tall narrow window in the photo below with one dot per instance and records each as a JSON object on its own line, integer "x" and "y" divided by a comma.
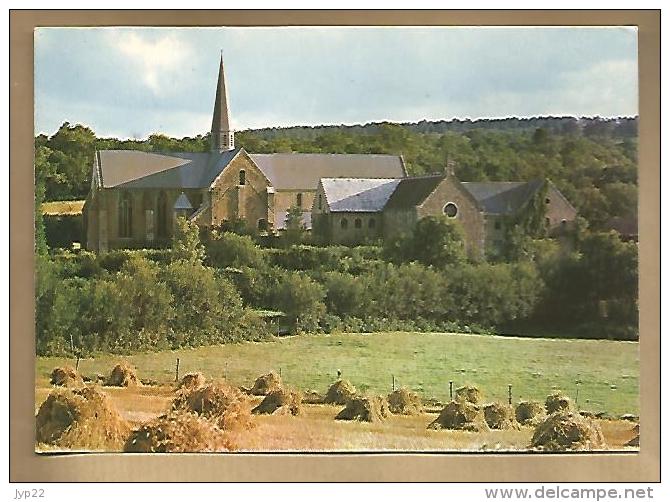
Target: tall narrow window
{"x": 243, "y": 177}
{"x": 298, "y": 200}
{"x": 344, "y": 223}
{"x": 320, "y": 202}
{"x": 358, "y": 223}
{"x": 162, "y": 218}
{"x": 125, "y": 215}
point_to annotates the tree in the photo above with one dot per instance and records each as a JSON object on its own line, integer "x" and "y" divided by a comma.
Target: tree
{"x": 186, "y": 243}
{"x": 436, "y": 240}
{"x": 301, "y": 300}
{"x": 295, "y": 227}
{"x": 42, "y": 169}
{"x": 345, "y": 294}
{"x": 231, "y": 250}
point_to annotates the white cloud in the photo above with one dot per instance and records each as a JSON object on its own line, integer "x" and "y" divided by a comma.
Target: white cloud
{"x": 158, "y": 61}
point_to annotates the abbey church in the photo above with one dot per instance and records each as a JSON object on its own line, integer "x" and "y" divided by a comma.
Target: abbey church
{"x": 136, "y": 196}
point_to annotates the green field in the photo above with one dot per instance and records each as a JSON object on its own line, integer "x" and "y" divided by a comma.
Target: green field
{"x": 607, "y": 371}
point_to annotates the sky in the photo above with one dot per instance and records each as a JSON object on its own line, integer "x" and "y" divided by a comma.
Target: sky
{"x": 133, "y": 82}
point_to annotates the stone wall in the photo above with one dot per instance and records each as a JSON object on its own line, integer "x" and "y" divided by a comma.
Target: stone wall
{"x": 468, "y": 214}
{"x": 231, "y": 201}
{"x": 558, "y": 210}
{"x": 102, "y": 217}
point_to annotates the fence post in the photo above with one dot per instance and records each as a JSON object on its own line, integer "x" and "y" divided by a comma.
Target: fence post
{"x": 280, "y": 372}
{"x": 76, "y": 366}
{"x": 451, "y": 390}
{"x": 176, "y": 372}
{"x": 393, "y": 383}
{"x": 509, "y": 394}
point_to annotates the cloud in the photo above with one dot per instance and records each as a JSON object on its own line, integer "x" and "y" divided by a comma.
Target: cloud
{"x": 158, "y": 61}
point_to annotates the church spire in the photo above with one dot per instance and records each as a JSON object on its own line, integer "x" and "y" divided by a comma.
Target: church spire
{"x": 223, "y": 138}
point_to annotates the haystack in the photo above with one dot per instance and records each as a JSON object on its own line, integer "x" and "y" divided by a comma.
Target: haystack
{"x": 178, "y": 433}
{"x": 340, "y": 392}
{"x": 224, "y": 404}
{"x": 66, "y": 376}
{"x": 192, "y": 381}
{"x": 365, "y": 409}
{"x": 461, "y": 415}
{"x": 557, "y": 402}
{"x": 280, "y": 402}
{"x": 312, "y": 397}
{"x": 565, "y": 430}
{"x": 529, "y": 413}
{"x": 80, "y": 419}
{"x": 123, "y": 375}
{"x": 468, "y": 393}
{"x": 635, "y": 442}
{"x": 404, "y": 402}
{"x": 499, "y": 416}
{"x": 265, "y": 384}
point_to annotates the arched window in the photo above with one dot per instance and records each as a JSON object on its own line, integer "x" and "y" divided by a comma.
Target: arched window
{"x": 262, "y": 225}
{"x": 162, "y": 215}
{"x": 344, "y": 223}
{"x": 450, "y": 209}
{"x": 125, "y": 215}
{"x": 372, "y": 223}
{"x": 298, "y": 200}
{"x": 243, "y": 177}
{"x": 358, "y": 223}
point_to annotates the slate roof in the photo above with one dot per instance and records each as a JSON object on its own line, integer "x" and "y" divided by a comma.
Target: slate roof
{"x": 220, "y": 120}
{"x": 280, "y": 220}
{"x": 302, "y": 171}
{"x": 502, "y": 197}
{"x": 411, "y": 192}
{"x": 294, "y": 171}
{"x": 182, "y": 202}
{"x": 135, "y": 169}
{"x": 358, "y": 194}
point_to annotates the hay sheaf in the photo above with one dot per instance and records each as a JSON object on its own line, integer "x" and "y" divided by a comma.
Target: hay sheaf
{"x": 635, "y": 442}
{"x": 80, "y": 418}
{"x": 365, "y": 409}
{"x": 265, "y": 384}
{"x": 499, "y": 416}
{"x": 178, "y": 432}
{"x": 192, "y": 381}
{"x": 529, "y": 413}
{"x": 557, "y": 402}
{"x": 280, "y": 402}
{"x": 123, "y": 375}
{"x": 461, "y": 415}
{"x": 468, "y": 393}
{"x": 312, "y": 397}
{"x": 404, "y": 402}
{"x": 219, "y": 402}
{"x": 66, "y": 376}
{"x": 565, "y": 430}
{"x": 340, "y": 392}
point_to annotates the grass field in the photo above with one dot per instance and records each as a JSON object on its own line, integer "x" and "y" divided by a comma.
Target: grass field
{"x": 604, "y": 374}
{"x": 62, "y": 208}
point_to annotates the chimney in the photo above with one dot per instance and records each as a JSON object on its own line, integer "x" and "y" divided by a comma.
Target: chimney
{"x": 450, "y": 168}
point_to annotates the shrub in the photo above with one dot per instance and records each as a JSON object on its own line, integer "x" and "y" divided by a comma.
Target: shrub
{"x": 231, "y": 250}
{"x": 63, "y": 230}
